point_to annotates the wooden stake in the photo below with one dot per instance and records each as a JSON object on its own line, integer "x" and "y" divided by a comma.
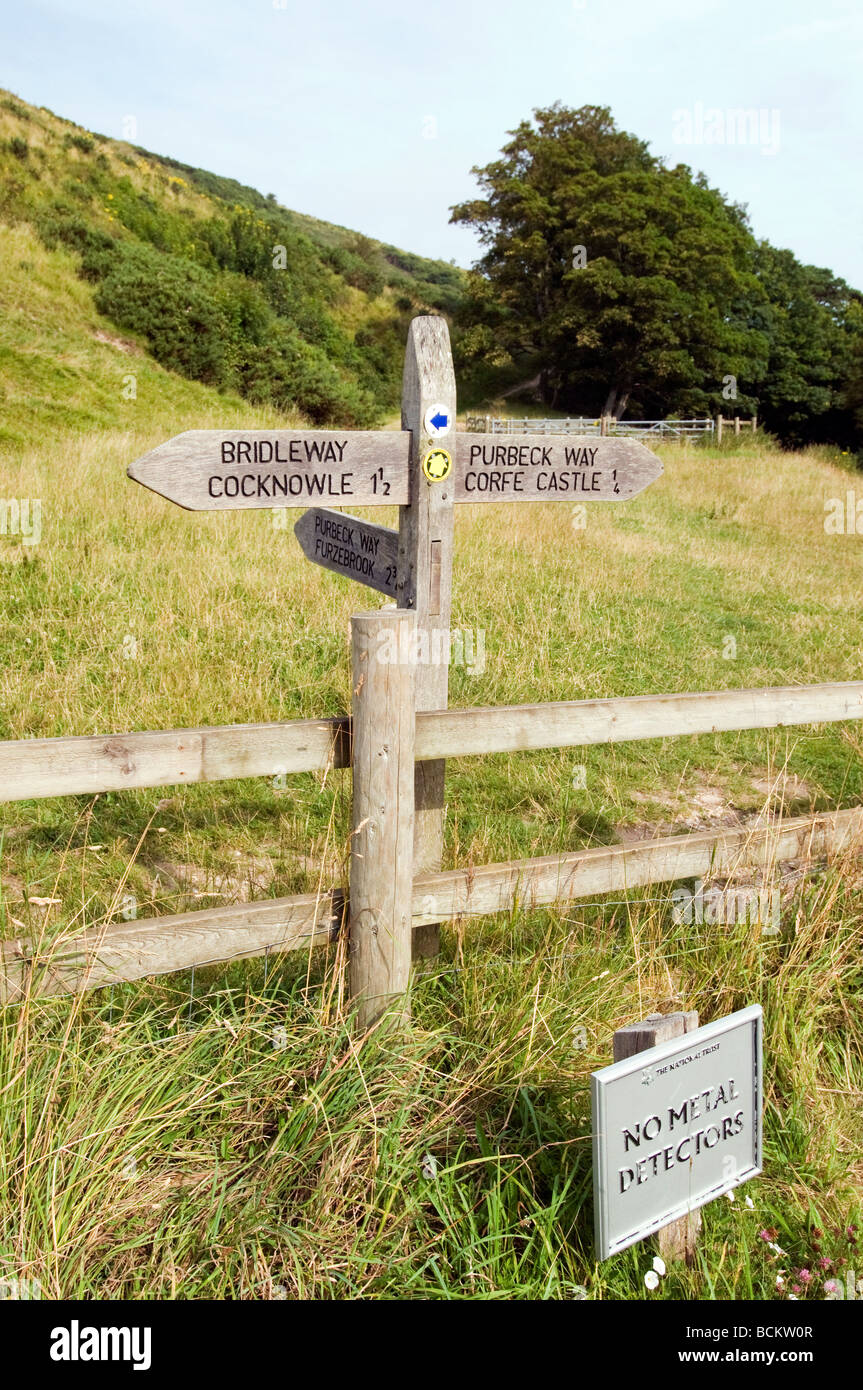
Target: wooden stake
{"x": 381, "y": 865}
{"x": 425, "y": 572}
{"x": 719, "y": 429}
{"x": 677, "y": 1240}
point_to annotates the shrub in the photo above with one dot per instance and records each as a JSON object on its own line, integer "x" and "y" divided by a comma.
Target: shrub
{"x": 169, "y": 302}
{"x": 79, "y": 142}
{"x": 64, "y": 225}
{"x": 10, "y": 104}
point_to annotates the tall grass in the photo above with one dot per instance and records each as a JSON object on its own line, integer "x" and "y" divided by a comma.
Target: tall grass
{"x": 236, "y": 1141}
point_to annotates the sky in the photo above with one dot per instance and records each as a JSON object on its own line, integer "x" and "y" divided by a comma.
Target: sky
{"x": 371, "y": 113}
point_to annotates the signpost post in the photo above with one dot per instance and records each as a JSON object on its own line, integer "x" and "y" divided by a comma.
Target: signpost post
{"x": 425, "y": 564}
{"x": 675, "y": 1126}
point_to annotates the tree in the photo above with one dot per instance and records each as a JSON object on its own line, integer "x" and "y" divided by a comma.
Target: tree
{"x": 852, "y": 394}
{"x": 620, "y": 279}
{"x": 808, "y": 315}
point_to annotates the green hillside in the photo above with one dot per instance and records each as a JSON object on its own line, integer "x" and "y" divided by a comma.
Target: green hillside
{"x": 208, "y": 278}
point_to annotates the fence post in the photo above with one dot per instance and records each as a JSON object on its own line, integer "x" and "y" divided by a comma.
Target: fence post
{"x": 678, "y": 1239}
{"x": 737, "y": 424}
{"x": 719, "y": 429}
{"x": 383, "y": 653}
{"x": 755, "y": 424}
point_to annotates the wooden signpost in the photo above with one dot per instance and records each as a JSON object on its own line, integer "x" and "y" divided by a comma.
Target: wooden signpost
{"x": 209, "y": 470}
{"x": 569, "y": 468}
{"x": 346, "y": 545}
{"x": 425, "y": 565}
{"x": 424, "y": 469}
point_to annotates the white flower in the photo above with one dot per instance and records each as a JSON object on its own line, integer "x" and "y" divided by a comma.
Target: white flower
{"x": 651, "y": 1279}
{"x": 792, "y": 1298}
{"x": 750, "y": 1203}
{"x": 730, "y": 1196}
{"x": 779, "y": 1281}
{"x": 659, "y": 1265}
{"x": 429, "y": 1166}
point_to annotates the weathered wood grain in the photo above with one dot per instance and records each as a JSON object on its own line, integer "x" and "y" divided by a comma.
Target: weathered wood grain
{"x": 32, "y": 767}
{"x": 578, "y": 723}
{"x": 382, "y": 837}
{"x": 347, "y": 545}
{"x": 425, "y": 570}
{"x": 537, "y": 468}
{"x": 209, "y": 470}
{"x": 157, "y": 945}
{"x": 110, "y": 762}
{"x": 43, "y": 767}
{"x": 559, "y": 878}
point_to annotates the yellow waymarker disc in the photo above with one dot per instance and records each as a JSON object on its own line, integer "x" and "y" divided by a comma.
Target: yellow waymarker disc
{"x": 437, "y": 465}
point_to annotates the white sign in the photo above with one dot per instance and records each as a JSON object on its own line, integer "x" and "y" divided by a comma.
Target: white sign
{"x": 437, "y": 419}
{"x": 674, "y": 1127}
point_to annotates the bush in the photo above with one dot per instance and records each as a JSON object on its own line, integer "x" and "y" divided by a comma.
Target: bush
{"x": 63, "y": 225}
{"x": 10, "y": 104}
{"x": 79, "y": 142}
{"x": 19, "y": 147}
{"x": 355, "y": 270}
{"x": 170, "y": 302}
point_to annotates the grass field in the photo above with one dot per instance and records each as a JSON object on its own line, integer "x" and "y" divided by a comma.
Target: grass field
{"x": 223, "y": 1136}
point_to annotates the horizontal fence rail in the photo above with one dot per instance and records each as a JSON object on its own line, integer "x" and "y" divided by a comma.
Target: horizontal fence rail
{"x": 581, "y": 424}
{"x": 106, "y": 763}
{"x": 126, "y": 951}
{"x": 578, "y": 723}
{"x": 89, "y": 765}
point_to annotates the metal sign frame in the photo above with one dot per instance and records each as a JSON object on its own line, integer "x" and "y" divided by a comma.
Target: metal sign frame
{"x": 613, "y": 1235}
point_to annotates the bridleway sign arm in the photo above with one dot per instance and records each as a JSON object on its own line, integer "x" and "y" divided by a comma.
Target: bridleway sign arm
{"x": 209, "y": 470}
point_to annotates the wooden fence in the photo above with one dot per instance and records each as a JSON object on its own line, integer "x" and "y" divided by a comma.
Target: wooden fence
{"x": 606, "y": 425}
{"x": 385, "y": 738}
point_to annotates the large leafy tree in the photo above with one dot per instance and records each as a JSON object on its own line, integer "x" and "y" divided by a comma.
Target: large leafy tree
{"x": 624, "y": 282}
{"x": 852, "y": 395}
{"x": 812, "y": 320}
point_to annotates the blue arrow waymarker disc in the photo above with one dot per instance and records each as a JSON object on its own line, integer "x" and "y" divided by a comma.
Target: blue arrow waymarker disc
{"x": 437, "y": 419}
